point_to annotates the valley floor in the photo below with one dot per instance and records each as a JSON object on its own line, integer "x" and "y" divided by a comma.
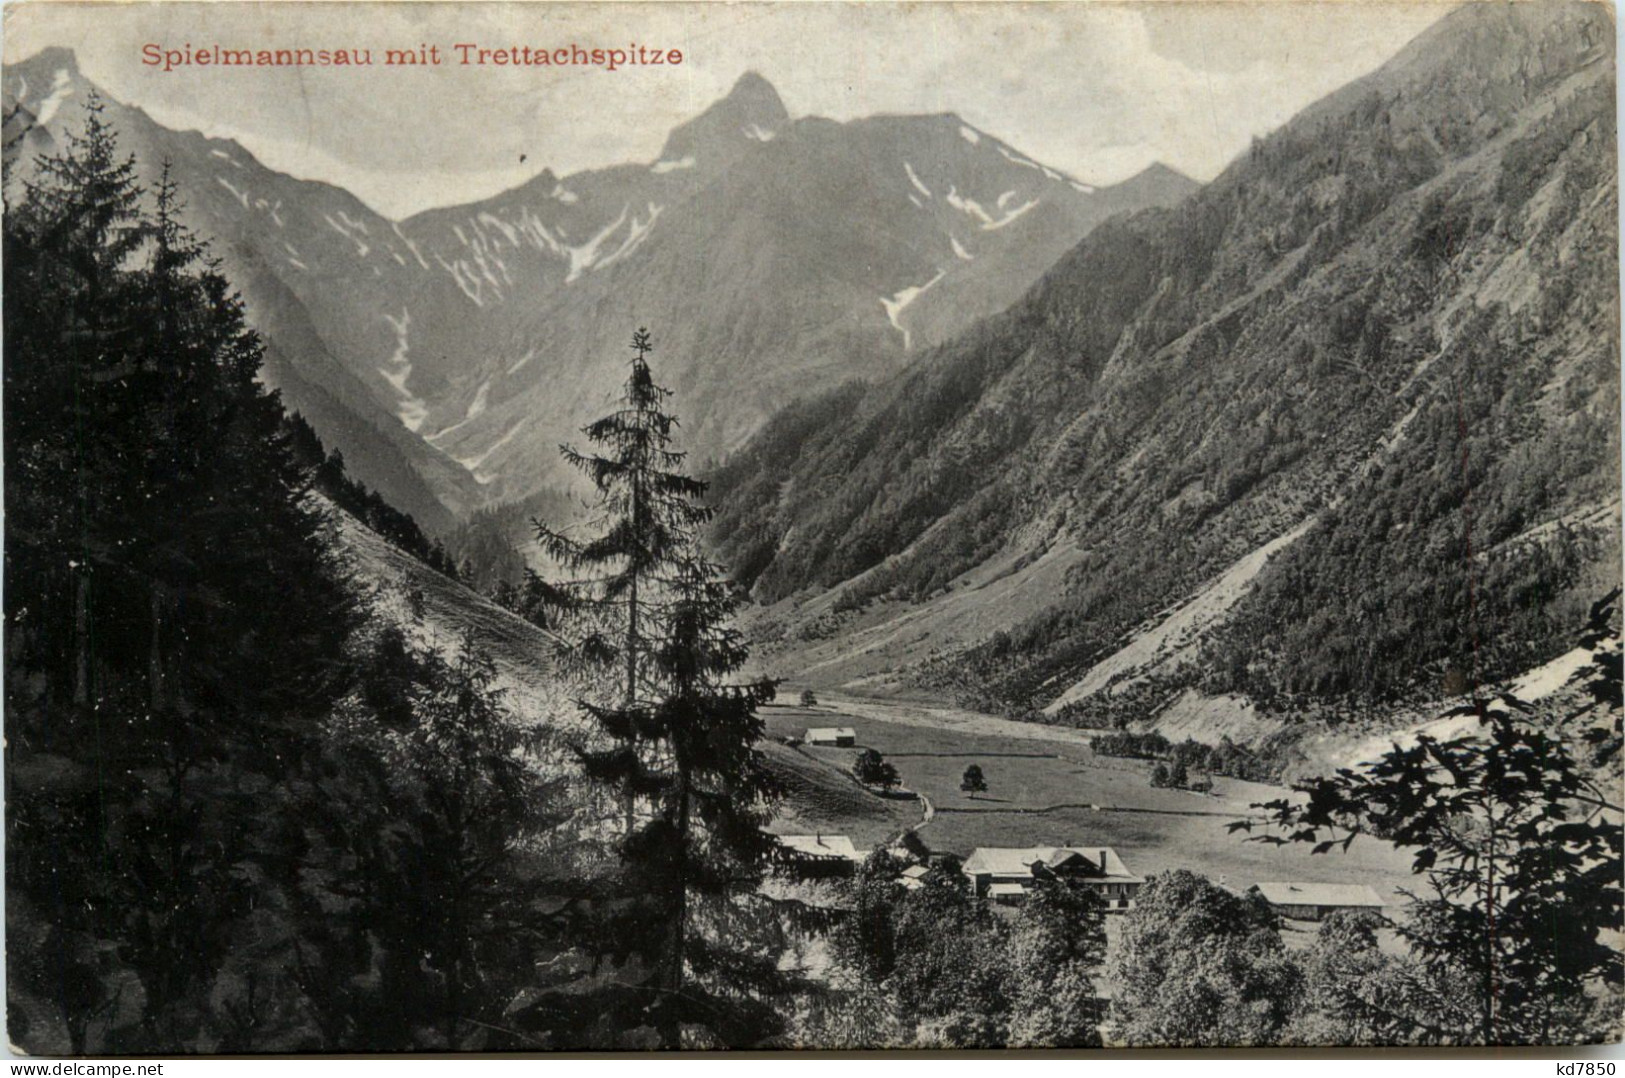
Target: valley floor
{"x": 1046, "y": 787}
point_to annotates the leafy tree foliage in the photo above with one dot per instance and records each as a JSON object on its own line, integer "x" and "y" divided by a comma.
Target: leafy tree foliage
{"x": 1056, "y": 947}
{"x": 956, "y": 975}
{"x": 1519, "y": 845}
{"x": 1604, "y": 679}
{"x": 872, "y": 768}
{"x": 1200, "y": 966}
{"x": 973, "y": 781}
{"x": 1521, "y": 853}
{"x": 1356, "y": 995}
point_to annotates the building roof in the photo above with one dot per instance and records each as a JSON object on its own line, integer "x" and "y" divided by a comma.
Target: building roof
{"x": 998, "y": 890}
{"x": 915, "y": 872}
{"x": 822, "y": 846}
{"x": 1298, "y": 893}
{"x": 1018, "y": 861}
{"x": 830, "y": 733}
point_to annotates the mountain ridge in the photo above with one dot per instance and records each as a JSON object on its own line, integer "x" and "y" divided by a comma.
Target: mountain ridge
{"x": 1186, "y": 386}
{"x": 446, "y": 354}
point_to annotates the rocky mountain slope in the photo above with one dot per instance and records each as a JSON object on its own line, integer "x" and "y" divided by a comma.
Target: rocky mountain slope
{"x": 1340, "y": 429}
{"x": 448, "y": 354}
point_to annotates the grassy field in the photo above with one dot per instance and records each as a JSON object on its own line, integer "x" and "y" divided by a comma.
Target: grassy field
{"x": 820, "y": 798}
{"x": 1059, "y": 793}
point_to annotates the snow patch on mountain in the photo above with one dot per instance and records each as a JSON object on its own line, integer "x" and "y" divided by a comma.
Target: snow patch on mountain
{"x": 476, "y": 408}
{"x": 969, "y": 206}
{"x": 226, "y": 157}
{"x": 759, "y": 133}
{"x": 636, "y": 233}
{"x": 361, "y": 247}
{"x": 970, "y": 134}
{"x": 585, "y": 256}
{"x": 61, "y": 88}
{"x": 1084, "y": 188}
{"x": 915, "y": 180}
{"x": 1010, "y": 216}
{"x": 958, "y": 248}
{"x": 411, "y": 409}
{"x": 410, "y": 246}
{"x": 524, "y": 359}
{"x": 895, "y": 305}
{"x": 238, "y": 194}
{"x": 567, "y": 197}
{"x": 509, "y": 232}
{"x": 483, "y": 264}
{"x": 473, "y": 284}
{"x": 660, "y": 168}
{"x": 540, "y": 237}
{"x": 473, "y": 463}
{"x": 1017, "y": 159}
{"x": 912, "y": 197}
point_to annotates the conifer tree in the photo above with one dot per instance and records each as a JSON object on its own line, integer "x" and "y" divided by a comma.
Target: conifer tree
{"x": 677, "y": 739}
{"x": 653, "y": 512}
{"x": 176, "y": 623}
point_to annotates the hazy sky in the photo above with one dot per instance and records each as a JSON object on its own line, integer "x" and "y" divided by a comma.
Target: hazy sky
{"x": 1099, "y": 90}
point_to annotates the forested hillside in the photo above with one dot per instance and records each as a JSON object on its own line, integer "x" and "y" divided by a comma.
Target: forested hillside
{"x": 1352, "y": 409}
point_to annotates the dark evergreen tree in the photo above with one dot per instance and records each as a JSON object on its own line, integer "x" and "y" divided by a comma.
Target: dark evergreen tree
{"x": 176, "y": 625}
{"x": 429, "y": 917}
{"x": 676, "y": 741}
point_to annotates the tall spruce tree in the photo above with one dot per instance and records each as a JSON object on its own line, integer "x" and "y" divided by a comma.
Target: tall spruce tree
{"x": 676, "y": 741}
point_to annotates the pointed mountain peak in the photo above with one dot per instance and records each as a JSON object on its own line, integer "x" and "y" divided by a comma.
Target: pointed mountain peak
{"x": 52, "y": 57}
{"x": 1158, "y": 172}
{"x": 1162, "y": 184}
{"x": 753, "y": 91}
{"x": 39, "y": 86}
{"x": 43, "y": 72}
{"x": 751, "y": 111}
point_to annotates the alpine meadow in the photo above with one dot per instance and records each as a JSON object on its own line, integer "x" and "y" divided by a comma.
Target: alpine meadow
{"x": 839, "y": 583}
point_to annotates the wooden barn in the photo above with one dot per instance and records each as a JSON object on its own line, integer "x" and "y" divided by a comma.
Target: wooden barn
{"x": 1314, "y": 901}
{"x": 840, "y": 736}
